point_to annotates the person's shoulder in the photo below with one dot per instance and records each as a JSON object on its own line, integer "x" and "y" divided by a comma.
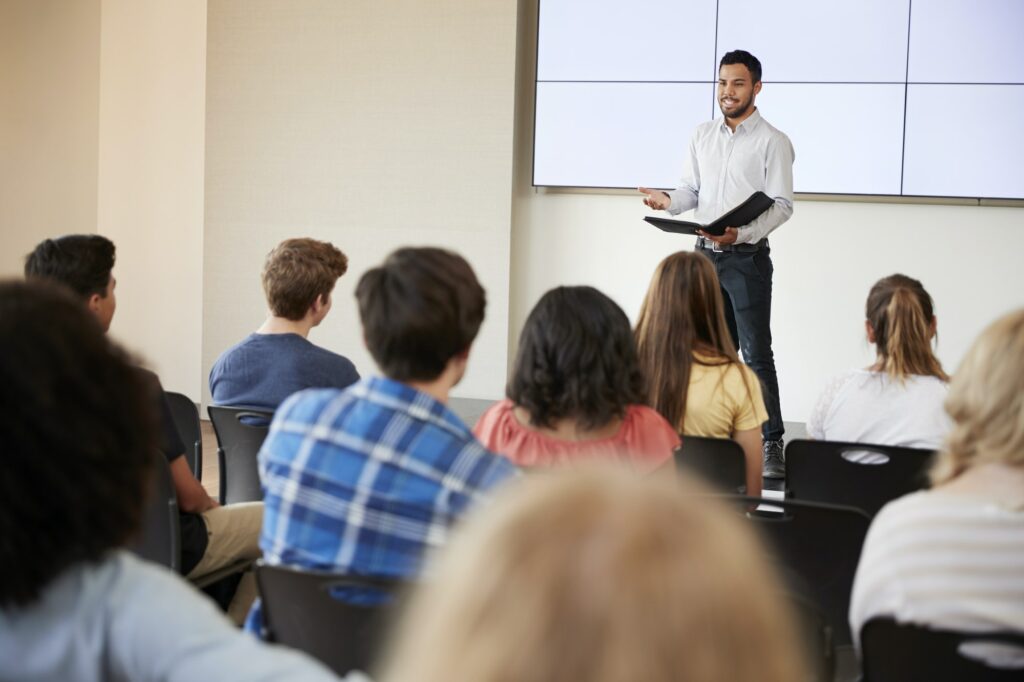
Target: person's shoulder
{"x": 702, "y": 130}
{"x": 646, "y": 422}
{"x": 329, "y": 358}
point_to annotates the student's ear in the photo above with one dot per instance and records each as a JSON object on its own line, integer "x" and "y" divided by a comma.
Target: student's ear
{"x": 870, "y": 331}
{"x": 94, "y": 303}
{"x": 933, "y": 328}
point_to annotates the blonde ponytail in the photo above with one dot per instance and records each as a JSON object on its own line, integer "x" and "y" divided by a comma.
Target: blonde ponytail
{"x": 900, "y": 313}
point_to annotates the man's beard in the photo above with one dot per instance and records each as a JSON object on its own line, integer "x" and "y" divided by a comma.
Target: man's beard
{"x": 737, "y": 113}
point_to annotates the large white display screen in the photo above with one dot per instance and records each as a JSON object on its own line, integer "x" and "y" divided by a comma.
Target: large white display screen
{"x": 886, "y": 97}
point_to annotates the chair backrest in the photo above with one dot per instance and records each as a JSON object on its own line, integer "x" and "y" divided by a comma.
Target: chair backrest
{"x": 186, "y": 418}
{"x": 159, "y": 538}
{"x": 302, "y": 609}
{"x": 239, "y": 440}
{"x": 815, "y": 636}
{"x": 817, "y": 548}
{"x": 719, "y": 462}
{"x": 904, "y": 652}
{"x": 854, "y": 474}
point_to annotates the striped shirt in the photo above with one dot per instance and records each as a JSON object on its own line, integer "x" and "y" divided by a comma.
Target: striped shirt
{"x": 367, "y": 479}
{"x": 943, "y": 560}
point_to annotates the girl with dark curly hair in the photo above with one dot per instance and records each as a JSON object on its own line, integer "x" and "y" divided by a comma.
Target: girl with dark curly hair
{"x": 576, "y": 390}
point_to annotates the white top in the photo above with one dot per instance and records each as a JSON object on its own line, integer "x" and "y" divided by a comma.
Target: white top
{"x": 126, "y": 619}
{"x": 862, "y": 406}
{"x": 723, "y": 168}
{"x": 943, "y": 560}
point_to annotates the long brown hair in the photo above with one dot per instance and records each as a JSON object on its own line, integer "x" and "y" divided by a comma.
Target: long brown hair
{"x": 601, "y": 576}
{"x": 901, "y": 315}
{"x": 683, "y": 312}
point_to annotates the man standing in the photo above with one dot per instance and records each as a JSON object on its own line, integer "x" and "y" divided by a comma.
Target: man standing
{"x": 728, "y": 160}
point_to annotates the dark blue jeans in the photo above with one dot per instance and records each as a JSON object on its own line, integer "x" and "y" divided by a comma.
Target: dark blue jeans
{"x": 746, "y": 279}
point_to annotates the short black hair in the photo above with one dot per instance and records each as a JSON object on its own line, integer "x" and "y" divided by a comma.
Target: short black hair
{"x": 746, "y": 59}
{"x": 77, "y": 424}
{"x": 419, "y": 309}
{"x": 81, "y": 262}
{"x": 576, "y": 358}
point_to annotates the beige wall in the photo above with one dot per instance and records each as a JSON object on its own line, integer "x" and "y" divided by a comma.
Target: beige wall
{"x": 49, "y": 99}
{"x": 371, "y": 125}
{"x": 150, "y": 195}
{"x": 826, "y": 258}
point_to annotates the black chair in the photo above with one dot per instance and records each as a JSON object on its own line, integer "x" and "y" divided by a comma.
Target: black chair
{"x": 299, "y": 611}
{"x": 186, "y": 418}
{"x": 159, "y": 538}
{"x": 719, "y": 462}
{"x": 893, "y": 652}
{"x": 817, "y": 548}
{"x": 240, "y": 433}
{"x": 815, "y": 636}
{"x": 841, "y": 473}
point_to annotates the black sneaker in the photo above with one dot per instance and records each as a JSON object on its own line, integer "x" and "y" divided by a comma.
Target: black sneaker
{"x": 774, "y": 460}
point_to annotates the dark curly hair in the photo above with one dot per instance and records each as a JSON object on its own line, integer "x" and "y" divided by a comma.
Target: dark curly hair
{"x": 81, "y": 262}
{"x": 77, "y": 423}
{"x": 576, "y": 358}
{"x": 419, "y": 309}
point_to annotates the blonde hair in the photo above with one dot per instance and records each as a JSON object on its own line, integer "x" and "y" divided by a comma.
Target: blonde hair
{"x": 601, "y": 576}
{"x": 901, "y": 315}
{"x": 986, "y": 402}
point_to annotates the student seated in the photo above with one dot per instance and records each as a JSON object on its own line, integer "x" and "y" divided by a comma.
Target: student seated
{"x": 365, "y": 480}
{"x": 599, "y": 576}
{"x": 76, "y": 421}
{"x": 695, "y": 378}
{"x": 278, "y": 359}
{"x": 897, "y": 400}
{"x": 952, "y": 557}
{"x": 212, "y": 536}
{"x": 576, "y": 391}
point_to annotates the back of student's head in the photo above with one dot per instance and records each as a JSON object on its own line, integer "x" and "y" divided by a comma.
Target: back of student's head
{"x": 76, "y": 431}
{"x": 902, "y": 319}
{"x": 601, "y": 576}
{"x": 81, "y": 262}
{"x": 576, "y": 359}
{"x": 986, "y": 402}
{"x": 297, "y": 272}
{"x": 419, "y": 309}
{"x": 683, "y": 312}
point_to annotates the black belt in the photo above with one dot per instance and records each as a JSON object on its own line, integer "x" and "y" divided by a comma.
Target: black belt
{"x": 709, "y": 245}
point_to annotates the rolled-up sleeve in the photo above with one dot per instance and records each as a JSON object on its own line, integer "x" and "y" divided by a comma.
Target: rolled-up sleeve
{"x": 778, "y": 184}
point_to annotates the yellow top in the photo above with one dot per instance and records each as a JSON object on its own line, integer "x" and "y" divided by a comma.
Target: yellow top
{"x": 718, "y": 403}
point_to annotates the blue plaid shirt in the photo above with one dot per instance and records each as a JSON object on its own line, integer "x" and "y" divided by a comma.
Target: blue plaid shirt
{"x": 367, "y": 479}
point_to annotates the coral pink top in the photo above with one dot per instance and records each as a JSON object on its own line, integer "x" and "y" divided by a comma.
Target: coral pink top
{"x": 644, "y": 439}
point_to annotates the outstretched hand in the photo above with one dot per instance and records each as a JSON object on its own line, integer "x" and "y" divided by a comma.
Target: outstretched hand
{"x": 655, "y": 198}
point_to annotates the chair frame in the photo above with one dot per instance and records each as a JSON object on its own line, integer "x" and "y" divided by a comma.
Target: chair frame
{"x": 218, "y": 413}
{"x": 183, "y": 408}
{"x": 928, "y": 653}
{"x": 720, "y": 462}
{"x": 817, "y": 471}
{"x": 824, "y": 575}
{"x": 293, "y": 619}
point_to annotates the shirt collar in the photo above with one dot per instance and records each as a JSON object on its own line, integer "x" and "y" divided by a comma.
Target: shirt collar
{"x": 748, "y": 124}
{"x": 419, "y": 405}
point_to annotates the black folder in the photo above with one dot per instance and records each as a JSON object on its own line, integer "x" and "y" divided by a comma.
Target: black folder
{"x": 756, "y": 204}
